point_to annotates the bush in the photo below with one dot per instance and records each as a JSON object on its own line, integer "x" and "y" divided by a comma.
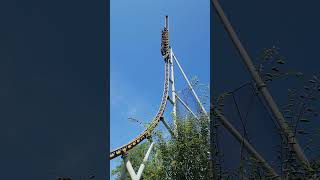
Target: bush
{"x": 183, "y": 157}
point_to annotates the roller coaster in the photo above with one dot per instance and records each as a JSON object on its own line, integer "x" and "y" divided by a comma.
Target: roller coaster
{"x": 169, "y": 58}
{"x": 147, "y": 132}
{"x": 165, "y": 51}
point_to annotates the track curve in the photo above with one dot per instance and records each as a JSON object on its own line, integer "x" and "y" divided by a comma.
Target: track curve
{"x": 147, "y": 132}
{"x": 165, "y": 51}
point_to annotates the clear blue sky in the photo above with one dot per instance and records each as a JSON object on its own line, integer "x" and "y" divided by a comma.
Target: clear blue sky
{"x": 136, "y": 65}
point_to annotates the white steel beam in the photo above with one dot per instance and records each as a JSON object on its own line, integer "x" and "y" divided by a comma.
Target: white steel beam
{"x": 261, "y": 86}
{"x": 168, "y": 127}
{"x": 173, "y": 90}
{"x": 130, "y": 169}
{"x": 145, "y": 159}
{"x": 246, "y": 144}
{"x": 186, "y": 106}
{"x": 189, "y": 84}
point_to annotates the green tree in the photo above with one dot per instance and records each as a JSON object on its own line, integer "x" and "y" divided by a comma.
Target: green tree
{"x": 183, "y": 157}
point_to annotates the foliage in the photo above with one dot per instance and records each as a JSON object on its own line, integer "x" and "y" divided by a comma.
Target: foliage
{"x": 300, "y": 113}
{"x": 270, "y": 65}
{"x": 187, "y": 156}
{"x": 184, "y": 157}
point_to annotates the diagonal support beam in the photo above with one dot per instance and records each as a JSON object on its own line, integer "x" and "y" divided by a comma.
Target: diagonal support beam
{"x": 261, "y": 86}
{"x": 145, "y": 159}
{"x": 168, "y": 127}
{"x": 170, "y": 100}
{"x": 186, "y": 106}
{"x": 190, "y": 86}
{"x": 133, "y": 175}
{"x": 245, "y": 143}
{"x": 129, "y": 167}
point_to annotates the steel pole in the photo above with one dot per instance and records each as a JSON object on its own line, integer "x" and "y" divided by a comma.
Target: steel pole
{"x": 186, "y": 106}
{"x": 246, "y": 144}
{"x": 261, "y": 86}
{"x": 145, "y": 159}
{"x": 168, "y": 127}
{"x": 173, "y": 90}
{"x": 190, "y": 86}
{"x": 129, "y": 168}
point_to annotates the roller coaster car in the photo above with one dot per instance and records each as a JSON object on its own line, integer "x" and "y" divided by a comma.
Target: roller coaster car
{"x": 165, "y": 44}
{"x": 165, "y": 54}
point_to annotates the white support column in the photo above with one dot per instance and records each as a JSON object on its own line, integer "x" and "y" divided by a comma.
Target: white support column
{"x": 173, "y": 90}
{"x": 261, "y": 86}
{"x": 190, "y": 86}
{"x": 145, "y": 159}
{"x": 130, "y": 169}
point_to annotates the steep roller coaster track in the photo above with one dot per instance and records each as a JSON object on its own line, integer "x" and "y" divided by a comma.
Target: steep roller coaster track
{"x": 165, "y": 50}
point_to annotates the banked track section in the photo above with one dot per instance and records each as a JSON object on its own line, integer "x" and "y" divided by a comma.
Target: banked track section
{"x": 147, "y": 132}
{"x": 165, "y": 51}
